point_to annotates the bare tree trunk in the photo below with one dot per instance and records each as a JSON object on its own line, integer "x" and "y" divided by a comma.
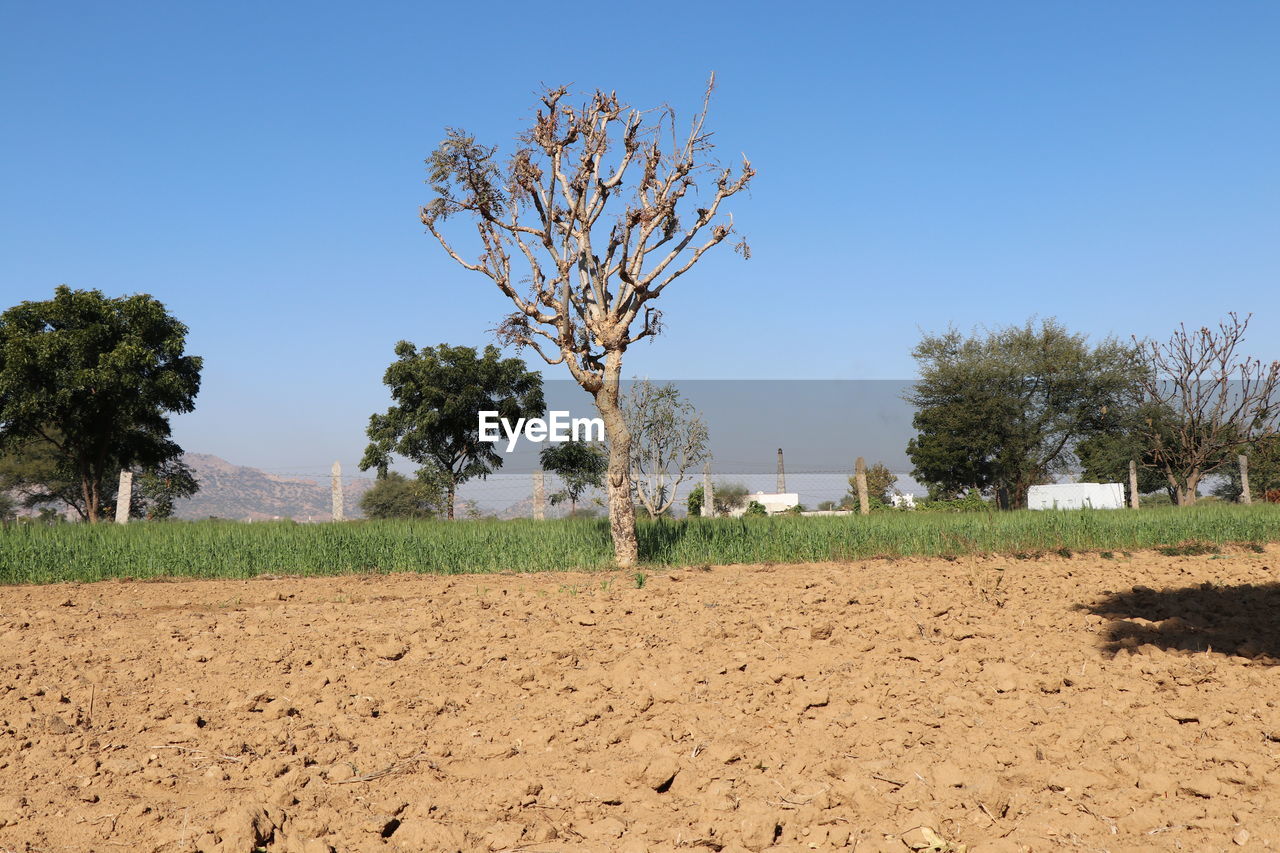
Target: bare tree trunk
{"x": 90, "y": 506}
{"x": 1187, "y": 492}
{"x": 622, "y": 512}
{"x": 539, "y": 496}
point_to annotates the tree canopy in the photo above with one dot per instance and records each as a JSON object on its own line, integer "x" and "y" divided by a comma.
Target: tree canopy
{"x": 88, "y": 382}
{"x": 1126, "y": 436}
{"x": 1219, "y": 402}
{"x": 669, "y": 440}
{"x": 1264, "y": 471}
{"x": 393, "y": 495}
{"x": 34, "y": 472}
{"x": 1003, "y": 411}
{"x": 439, "y": 393}
{"x": 580, "y": 465}
{"x": 880, "y": 483}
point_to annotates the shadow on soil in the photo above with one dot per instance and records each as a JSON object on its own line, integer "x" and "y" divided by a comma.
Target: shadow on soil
{"x": 1239, "y": 620}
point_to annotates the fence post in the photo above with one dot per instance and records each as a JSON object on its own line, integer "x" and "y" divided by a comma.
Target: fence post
{"x": 782, "y": 474}
{"x": 1245, "y": 497}
{"x": 1133, "y": 484}
{"x": 539, "y": 496}
{"x": 124, "y": 497}
{"x": 860, "y": 474}
{"x": 336, "y": 492}
{"x": 708, "y": 492}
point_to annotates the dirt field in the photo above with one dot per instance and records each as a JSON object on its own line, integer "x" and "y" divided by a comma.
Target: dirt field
{"x": 1078, "y": 703}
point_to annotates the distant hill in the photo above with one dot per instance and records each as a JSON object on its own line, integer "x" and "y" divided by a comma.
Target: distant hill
{"x": 239, "y": 492}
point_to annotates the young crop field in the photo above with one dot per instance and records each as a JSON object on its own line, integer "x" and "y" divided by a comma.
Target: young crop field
{"x": 219, "y": 549}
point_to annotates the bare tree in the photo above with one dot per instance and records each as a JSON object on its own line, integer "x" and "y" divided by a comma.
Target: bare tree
{"x": 588, "y": 204}
{"x": 668, "y": 441}
{"x": 1217, "y": 401}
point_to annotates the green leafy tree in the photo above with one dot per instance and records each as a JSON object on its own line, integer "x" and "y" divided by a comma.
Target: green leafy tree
{"x": 668, "y": 441}
{"x": 729, "y": 496}
{"x": 394, "y": 495}
{"x": 696, "y": 498}
{"x": 39, "y": 476}
{"x": 580, "y": 465}
{"x": 157, "y": 490}
{"x": 880, "y": 483}
{"x": 1003, "y": 411}
{"x": 35, "y": 474}
{"x": 1264, "y": 471}
{"x": 1104, "y": 456}
{"x": 96, "y": 379}
{"x": 439, "y": 394}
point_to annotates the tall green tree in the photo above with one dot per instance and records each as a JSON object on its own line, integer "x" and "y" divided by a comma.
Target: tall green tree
{"x": 396, "y": 496}
{"x": 1264, "y": 471}
{"x": 580, "y": 465}
{"x": 880, "y": 483}
{"x": 1003, "y": 411}
{"x": 34, "y": 472}
{"x": 669, "y": 440}
{"x": 1127, "y": 435}
{"x": 439, "y": 393}
{"x": 96, "y": 378}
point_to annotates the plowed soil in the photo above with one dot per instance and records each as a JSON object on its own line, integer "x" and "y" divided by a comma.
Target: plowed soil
{"x": 1087, "y": 702}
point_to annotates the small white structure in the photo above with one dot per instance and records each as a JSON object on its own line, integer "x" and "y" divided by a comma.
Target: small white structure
{"x": 901, "y": 500}
{"x": 1076, "y": 496}
{"x": 773, "y": 503}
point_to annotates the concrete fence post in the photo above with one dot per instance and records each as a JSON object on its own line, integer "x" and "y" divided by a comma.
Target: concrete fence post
{"x": 1133, "y": 484}
{"x": 708, "y": 493}
{"x": 336, "y": 492}
{"x": 124, "y": 497}
{"x": 539, "y": 496}
{"x": 1245, "y": 497}
{"x": 860, "y": 474}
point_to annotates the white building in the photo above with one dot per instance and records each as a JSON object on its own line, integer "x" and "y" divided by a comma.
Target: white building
{"x": 772, "y": 502}
{"x": 1076, "y": 496}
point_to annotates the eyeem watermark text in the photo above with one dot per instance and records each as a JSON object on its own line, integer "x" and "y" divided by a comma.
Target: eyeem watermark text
{"x": 559, "y": 427}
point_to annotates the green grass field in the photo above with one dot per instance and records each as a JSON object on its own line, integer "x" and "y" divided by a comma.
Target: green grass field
{"x": 219, "y": 549}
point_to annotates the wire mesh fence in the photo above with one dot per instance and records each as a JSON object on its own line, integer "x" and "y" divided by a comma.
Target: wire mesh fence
{"x": 304, "y": 494}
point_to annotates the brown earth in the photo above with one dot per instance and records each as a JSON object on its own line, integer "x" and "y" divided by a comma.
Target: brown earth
{"x": 1082, "y": 703}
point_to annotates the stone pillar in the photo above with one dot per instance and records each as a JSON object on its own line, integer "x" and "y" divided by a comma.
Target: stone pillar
{"x": 860, "y": 475}
{"x": 539, "y": 496}
{"x": 708, "y": 493}
{"x": 782, "y": 474}
{"x": 1133, "y": 484}
{"x": 1245, "y": 497}
{"x": 124, "y": 497}
{"x": 337, "y": 491}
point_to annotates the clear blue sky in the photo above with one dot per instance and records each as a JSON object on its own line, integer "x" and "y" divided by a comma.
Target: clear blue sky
{"x": 258, "y": 166}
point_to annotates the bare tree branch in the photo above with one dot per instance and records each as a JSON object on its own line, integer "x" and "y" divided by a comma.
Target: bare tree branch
{"x": 546, "y": 207}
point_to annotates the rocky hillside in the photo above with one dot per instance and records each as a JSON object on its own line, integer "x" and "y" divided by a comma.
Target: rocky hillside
{"x": 239, "y": 492}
